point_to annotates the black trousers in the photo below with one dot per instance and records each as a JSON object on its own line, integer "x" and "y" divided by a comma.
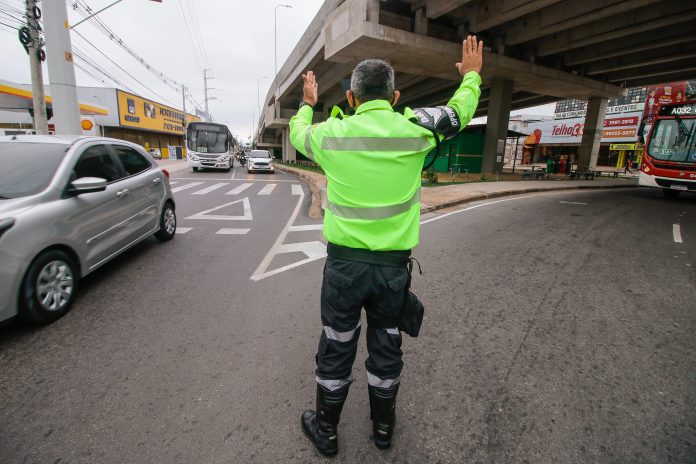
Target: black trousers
{"x": 349, "y": 286}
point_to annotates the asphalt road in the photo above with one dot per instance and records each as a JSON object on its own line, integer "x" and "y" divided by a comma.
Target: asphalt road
{"x": 559, "y": 328}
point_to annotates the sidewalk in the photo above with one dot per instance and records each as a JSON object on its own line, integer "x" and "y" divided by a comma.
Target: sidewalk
{"x": 434, "y": 198}
{"x": 172, "y": 165}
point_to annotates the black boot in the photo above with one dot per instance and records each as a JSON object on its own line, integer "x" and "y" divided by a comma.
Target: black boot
{"x": 382, "y": 413}
{"x": 321, "y": 426}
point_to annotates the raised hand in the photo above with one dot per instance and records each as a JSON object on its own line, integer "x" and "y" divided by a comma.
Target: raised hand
{"x": 310, "y": 88}
{"x": 472, "y": 55}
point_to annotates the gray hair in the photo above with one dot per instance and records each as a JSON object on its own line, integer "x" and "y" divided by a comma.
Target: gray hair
{"x": 372, "y": 80}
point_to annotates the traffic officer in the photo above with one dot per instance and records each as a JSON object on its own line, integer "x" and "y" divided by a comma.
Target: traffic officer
{"x": 373, "y": 161}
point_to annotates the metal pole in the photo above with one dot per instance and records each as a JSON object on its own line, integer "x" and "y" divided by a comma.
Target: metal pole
{"x": 514, "y": 159}
{"x": 61, "y": 71}
{"x": 37, "y": 87}
{"x": 183, "y": 120}
{"x": 94, "y": 14}
{"x": 258, "y": 93}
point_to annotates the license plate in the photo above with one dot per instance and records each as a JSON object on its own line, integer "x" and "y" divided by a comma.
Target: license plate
{"x": 678, "y": 187}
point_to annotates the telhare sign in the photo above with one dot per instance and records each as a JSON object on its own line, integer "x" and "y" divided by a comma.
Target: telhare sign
{"x": 139, "y": 113}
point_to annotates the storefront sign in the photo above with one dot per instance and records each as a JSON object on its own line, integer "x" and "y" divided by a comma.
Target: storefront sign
{"x": 629, "y": 108}
{"x": 139, "y": 113}
{"x": 623, "y": 146}
{"x": 618, "y": 133}
{"x": 620, "y": 122}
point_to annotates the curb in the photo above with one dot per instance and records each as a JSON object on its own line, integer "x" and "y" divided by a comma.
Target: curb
{"x": 319, "y": 191}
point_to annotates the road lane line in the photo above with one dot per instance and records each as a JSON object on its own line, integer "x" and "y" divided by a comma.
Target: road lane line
{"x": 232, "y": 231}
{"x": 676, "y": 233}
{"x": 296, "y": 189}
{"x": 486, "y": 204}
{"x": 172, "y": 183}
{"x": 239, "y": 189}
{"x": 307, "y": 227}
{"x": 186, "y": 186}
{"x": 183, "y": 230}
{"x": 249, "y": 179}
{"x": 210, "y": 189}
{"x": 572, "y": 203}
{"x": 267, "y": 189}
{"x": 233, "y": 173}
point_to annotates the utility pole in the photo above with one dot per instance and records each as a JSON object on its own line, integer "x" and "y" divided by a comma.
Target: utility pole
{"x": 37, "y": 86}
{"x": 205, "y": 90}
{"x": 61, "y": 71}
{"x": 183, "y": 104}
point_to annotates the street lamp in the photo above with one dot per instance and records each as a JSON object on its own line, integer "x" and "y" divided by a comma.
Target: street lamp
{"x": 258, "y": 93}
{"x": 275, "y": 41}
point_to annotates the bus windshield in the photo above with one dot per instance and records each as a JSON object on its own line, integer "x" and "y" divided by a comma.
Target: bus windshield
{"x": 208, "y": 138}
{"x": 674, "y": 140}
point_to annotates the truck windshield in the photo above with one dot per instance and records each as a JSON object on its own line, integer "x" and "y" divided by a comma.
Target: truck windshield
{"x": 207, "y": 138}
{"x": 674, "y": 140}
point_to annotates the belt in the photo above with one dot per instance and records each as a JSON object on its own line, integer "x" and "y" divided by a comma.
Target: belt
{"x": 392, "y": 258}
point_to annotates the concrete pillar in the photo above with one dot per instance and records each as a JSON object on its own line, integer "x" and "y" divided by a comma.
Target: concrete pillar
{"x": 289, "y": 152}
{"x": 592, "y": 133}
{"x": 497, "y": 126}
{"x": 421, "y": 23}
{"x": 372, "y": 12}
{"x": 61, "y": 73}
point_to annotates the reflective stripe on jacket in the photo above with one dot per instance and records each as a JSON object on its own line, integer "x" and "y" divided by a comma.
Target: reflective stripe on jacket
{"x": 373, "y": 161}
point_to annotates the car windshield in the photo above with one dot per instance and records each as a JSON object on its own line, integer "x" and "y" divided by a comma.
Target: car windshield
{"x": 259, "y": 154}
{"x": 27, "y": 168}
{"x": 674, "y": 140}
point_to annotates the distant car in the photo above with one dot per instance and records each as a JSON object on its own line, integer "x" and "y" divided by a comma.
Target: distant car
{"x": 68, "y": 205}
{"x": 259, "y": 160}
{"x": 155, "y": 153}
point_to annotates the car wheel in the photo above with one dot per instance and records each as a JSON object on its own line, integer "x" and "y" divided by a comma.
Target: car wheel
{"x": 669, "y": 193}
{"x": 167, "y": 224}
{"x": 49, "y": 287}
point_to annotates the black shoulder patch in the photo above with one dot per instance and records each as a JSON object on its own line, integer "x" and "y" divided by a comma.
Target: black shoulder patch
{"x": 441, "y": 119}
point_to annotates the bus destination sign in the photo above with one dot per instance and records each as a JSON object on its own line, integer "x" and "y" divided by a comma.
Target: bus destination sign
{"x": 682, "y": 109}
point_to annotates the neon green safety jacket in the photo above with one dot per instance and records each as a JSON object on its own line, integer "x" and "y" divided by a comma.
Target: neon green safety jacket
{"x": 373, "y": 162}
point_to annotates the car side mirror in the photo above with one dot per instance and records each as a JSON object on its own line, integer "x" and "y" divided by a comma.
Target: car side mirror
{"x": 86, "y": 185}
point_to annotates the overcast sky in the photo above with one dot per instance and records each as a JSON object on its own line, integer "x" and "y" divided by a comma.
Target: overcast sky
{"x": 232, "y": 38}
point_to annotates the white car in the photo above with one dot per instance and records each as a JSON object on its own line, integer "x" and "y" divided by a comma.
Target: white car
{"x": 155, "y": 153}
{"x": 259, "y": 160}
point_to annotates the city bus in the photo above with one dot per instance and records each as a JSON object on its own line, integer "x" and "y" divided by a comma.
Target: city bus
{"x": 209, "y": 146}
{"x": 669, "y": 159}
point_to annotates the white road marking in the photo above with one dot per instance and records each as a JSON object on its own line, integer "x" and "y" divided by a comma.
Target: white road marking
{"x": 491, "y": 203}
{"x": 275, "y": 180}
{"x": 572, "y": 203}
{"x": 183, "y": 230}
{"x": 307, "y": 227}
{"x": 296, "y": 189}
{"x": 676, "y": 232}
{"x": 186, "y": 186}
{"x": 210, "y": 189}
{"x": 224, "y": 217}
{"x": 310, "y": 250}
{"x": 239, "y": 189}
{"x": 172, "y": 183}
{"x": 267, "y": 189}
{"x": 233, "y": 231}
{"x": 233, "y": 173}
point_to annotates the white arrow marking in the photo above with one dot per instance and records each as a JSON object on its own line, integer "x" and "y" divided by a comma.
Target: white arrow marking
{"x": 210, "y": 189}
{"x": 296, "y": 189}
{"x": 307, "y": 227}
{"x": 223, "y": 217}
{"x": 313, "y": 250}
{"x": 238, "y": 190}
{"x": 183, "y": 230}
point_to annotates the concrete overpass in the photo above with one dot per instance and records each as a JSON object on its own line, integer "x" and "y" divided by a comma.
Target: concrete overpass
{"x": 537, "y": 51}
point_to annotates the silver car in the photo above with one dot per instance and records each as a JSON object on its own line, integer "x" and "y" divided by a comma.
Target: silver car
{"x": 259, "y": 160}
{"x": 67, "y": 206}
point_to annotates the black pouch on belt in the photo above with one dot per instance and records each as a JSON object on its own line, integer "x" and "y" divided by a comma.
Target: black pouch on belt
{"x": 412, "y": 311}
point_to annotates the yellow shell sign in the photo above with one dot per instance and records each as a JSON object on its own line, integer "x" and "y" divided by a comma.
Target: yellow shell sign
{"x": 139, "y": 113}
{"x": 87, "y": 124}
